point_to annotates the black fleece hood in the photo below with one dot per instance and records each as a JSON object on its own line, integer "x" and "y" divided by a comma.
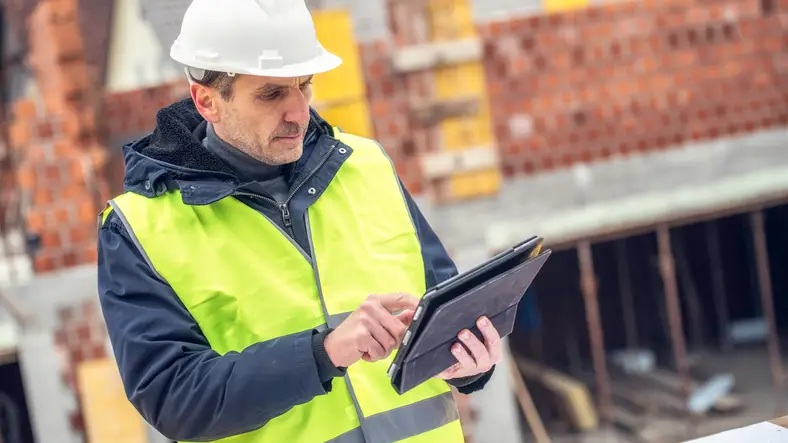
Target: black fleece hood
{"x": 173, "y": 156}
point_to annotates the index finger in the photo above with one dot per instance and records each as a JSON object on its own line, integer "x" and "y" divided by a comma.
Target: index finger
{"x": 492, "y": 339}
{"x": 406, "y": 316}
{"x": 396, "y": 302}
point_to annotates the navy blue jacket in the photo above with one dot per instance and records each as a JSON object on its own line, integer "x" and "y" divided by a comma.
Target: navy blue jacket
{"x": 171, "y": 375}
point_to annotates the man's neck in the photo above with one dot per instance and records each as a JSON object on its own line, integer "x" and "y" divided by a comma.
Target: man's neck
{"x": 246, "y": 167}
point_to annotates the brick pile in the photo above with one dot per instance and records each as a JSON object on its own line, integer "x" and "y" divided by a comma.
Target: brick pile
{"x": 81, "y": 336}
{"x": 59, "y": 159}
{"x": 634, "y": 77}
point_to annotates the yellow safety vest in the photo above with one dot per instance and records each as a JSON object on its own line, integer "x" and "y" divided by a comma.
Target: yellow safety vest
{"x": 245, "y": 282}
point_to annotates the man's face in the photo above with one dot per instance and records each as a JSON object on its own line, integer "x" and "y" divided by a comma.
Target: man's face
{"x": 266, "y": 117}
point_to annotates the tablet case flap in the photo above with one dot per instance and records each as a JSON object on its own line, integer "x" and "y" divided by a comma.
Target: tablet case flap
{"x": 497, "y": 299}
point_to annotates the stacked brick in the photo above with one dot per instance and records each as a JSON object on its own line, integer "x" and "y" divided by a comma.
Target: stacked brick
{"x": 388, "y": 101}
{"x": 433, "y": 114}
{"x": 58, "y": 157}
{"x": 409, "y": 27}
{"x": 634, "y": 77}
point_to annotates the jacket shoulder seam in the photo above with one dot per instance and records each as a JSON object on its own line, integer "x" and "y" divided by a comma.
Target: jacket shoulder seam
{"x": 133, "y": 237}
{"x": 400, "y": 186}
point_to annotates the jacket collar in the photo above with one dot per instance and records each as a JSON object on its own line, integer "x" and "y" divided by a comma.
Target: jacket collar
{"x": 173, "y": 157}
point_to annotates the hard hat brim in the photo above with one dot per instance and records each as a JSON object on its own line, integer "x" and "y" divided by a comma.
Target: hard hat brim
{"x": 324, "y": 62}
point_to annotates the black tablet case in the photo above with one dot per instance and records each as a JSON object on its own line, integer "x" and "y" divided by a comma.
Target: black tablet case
{"x": 497, "y": 298}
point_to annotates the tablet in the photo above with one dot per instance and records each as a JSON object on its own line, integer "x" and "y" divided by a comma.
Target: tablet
{"x": 492, "y": 289}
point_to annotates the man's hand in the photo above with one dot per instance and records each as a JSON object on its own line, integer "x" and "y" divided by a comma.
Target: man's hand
{"x": 372, "y": 331}
{"x": 483, "y": 356}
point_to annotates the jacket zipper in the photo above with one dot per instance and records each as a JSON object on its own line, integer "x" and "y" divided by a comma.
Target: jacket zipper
{"x": 284, "y": 208}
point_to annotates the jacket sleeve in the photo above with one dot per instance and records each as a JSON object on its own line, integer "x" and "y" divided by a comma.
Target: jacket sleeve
{"x": 438, "y": 267}
{"x": 171, "y": 375}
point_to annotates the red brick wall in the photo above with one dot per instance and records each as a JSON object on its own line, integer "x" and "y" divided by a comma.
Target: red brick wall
{"x": 624, "y": 78}
{"x": 131, "y": 113}
{"x": 128, "y": 115}
{"x": 634, "y": 77}
{"x": 54, "y": 138}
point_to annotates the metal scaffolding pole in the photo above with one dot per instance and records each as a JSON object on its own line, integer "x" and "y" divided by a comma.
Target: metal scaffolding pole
{"x": 765, "y": 284}
{"x": 627, "y": 299}
{"x": 590, "y": 298}
{"x": 668, "y": 272}
{"x": 718, "y": 284}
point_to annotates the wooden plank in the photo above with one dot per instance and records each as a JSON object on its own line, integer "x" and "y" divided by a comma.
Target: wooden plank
{"x": 649, "y": 401}
{"x": 690, "y": 293}
{"x": 527, "y": 405}
{"x": 431, "y": 113}
{"x": 109, "y": 416}
{"x": 442, "y": 164}
{"x": 644, "y": 429}
{"x": 573, "y": 395}
{"x": 431, "y": 55}
{"x": 782, "y": 421}
{"x": 633, "y": 393}
{"x": 672, "y": 382}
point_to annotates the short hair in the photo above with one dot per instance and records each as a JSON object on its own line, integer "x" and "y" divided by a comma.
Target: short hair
{"x": 221, "y": 81}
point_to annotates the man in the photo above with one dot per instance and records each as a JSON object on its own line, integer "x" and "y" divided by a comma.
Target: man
{"x": 262, "y": 266}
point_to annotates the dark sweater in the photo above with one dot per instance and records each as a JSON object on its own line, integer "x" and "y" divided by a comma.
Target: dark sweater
{"x": 269, "y": 181}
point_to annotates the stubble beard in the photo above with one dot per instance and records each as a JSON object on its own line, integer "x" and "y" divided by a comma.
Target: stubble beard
{"x": 260, "y": 150}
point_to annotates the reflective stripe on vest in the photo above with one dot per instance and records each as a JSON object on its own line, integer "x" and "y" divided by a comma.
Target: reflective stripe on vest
{"x": 244, "y": 282}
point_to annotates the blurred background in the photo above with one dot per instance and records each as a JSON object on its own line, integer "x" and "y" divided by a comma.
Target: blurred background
{"x": 647, "y": 141}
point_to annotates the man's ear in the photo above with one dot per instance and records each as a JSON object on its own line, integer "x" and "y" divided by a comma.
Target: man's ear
{"x": 206, "y": 101}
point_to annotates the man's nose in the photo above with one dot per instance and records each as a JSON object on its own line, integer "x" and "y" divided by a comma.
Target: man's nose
{"x": 297, "y": 107}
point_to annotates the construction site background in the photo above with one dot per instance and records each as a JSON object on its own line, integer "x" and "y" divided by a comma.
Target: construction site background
{"x": 646, "y": 141}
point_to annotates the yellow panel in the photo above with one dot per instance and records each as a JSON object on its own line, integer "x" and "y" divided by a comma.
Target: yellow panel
{"x": 476, "y": 184}
{"x": 109, "y": 416}
{"x": 467, "y": 76}
{"x": 451, "y": 19}
{"x": 564, "y": 5}
{"x": 352, "y": 117}
{"x": 335, "y": 32}
{"x": 460, "y": 132}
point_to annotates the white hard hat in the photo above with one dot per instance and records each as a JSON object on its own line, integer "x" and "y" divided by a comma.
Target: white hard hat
{"x": 272, "y": 38}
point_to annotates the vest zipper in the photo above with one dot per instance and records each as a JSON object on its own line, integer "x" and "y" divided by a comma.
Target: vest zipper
{"x": 284, "y": 208}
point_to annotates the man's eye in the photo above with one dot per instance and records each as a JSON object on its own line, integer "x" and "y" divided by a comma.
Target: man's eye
{"x": 272, "y": 96}
{"x": 306, "y": 85}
